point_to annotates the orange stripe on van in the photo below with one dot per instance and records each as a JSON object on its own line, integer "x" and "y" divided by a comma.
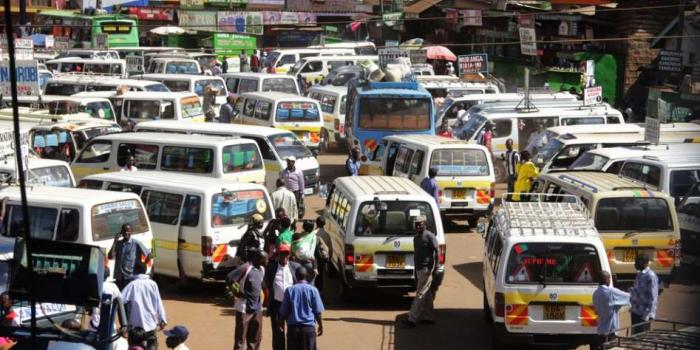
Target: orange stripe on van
{"x": 364, "y": 263}
{"x": 219, "y": 253}
{"x": 482, "y": 197}
{"x": 516, "y": 314}
{"x": 588, "y": 316}
{"x": 663, "y": 258}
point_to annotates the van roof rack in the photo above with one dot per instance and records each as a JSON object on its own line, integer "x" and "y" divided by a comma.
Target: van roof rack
{"x": 391, "y": 192}
{"x": 567, "y": 216}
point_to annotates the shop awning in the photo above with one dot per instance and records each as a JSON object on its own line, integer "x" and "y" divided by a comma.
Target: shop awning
{"x": 419, "y": 6}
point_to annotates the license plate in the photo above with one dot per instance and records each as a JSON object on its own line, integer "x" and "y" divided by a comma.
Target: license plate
{"x": 459, "y": 194}
{"x": 308, "y": 191}
{"x": 629, "y": 255}
{"x": 554, "y": 312}
{"x": 395, "y": 261}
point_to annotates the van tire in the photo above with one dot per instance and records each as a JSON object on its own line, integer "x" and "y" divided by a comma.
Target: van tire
{"x": 499, "y": 171}
{"x": 487, "y": 310}
{"x": 324, "y": 147}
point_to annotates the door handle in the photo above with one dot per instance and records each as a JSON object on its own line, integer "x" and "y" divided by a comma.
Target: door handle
{"x": 106, "y": 168}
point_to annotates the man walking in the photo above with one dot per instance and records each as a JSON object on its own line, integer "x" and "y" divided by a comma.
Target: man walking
{"x": 252, "y": 240}
{"x": 227, "y": 112}
{"x": 607, "y": 301}
{"x": 294, "y": 181}
{"x": 511, "y": 159}
{"x": 250, "y": 276}
{"x": 144, "y": 305}
{"x": 352, "y": 165}
{"x": 301, "y": 308}
{"x": 644, "y": 294}
{"x": 280, "y": 275}
{"x": 285, "y": 199}
{"x": 425, "y": 247}
{"x": 128, "y": 252}
{"x": 430, "y": 185}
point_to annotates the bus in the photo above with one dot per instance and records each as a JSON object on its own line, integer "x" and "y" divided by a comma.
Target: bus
{"x": 81, "y": 29}
{"x": 378, "y": 109}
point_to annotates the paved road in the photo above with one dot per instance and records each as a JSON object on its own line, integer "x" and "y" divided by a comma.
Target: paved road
{"x": 373, "y": 321}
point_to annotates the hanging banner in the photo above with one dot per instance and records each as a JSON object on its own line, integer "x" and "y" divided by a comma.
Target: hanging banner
{"x": 528, "y": 37}
{"x": 240, "y": 22}
{"x": 152, "y": 14}
{"x": 202, "y": 21}
{"x": 469, "y": 64}
{"x": 392, "y": 19}
{"x": 24, "y": 49}
{"x": 192, "y": 4}
{"x": 472, "y": 18}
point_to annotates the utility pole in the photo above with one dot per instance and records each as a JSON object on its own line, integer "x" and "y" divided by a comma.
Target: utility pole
{"x": 22, "y": 14}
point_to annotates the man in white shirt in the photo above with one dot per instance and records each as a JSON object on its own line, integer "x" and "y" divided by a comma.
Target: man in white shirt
{"x": 144, "y": 305}
{"x": 130, "y": 167}
{"x": 280, "y": 275}
{"x": 285, "y": 199}
{"x": 110, "y": 288}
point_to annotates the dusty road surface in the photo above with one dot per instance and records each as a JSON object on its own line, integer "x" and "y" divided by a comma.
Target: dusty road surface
{"x": 373, "y": 320}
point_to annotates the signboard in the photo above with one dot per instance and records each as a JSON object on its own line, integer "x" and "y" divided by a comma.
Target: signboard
{"x": 670, "y": 61}
{"x": 24, "y": 49}
{"x": 528, "y": 37}
{"x": 134, "y": 64}
{"x": 100, "y": 41}
{"x": 283, "y": 17}
{"x": 230, "y": 45}
{"x": 418, "y": 56}
{"x": 266, "y": 2}
{"x": 27, "y": 78}
{"x": 392, "y": 19}
{"x": 652, "y": 128}
{"x": 152, "y": 14}
{"x": 472, "y": 18}
{"x": 62, "y": 43}
{"x": 391, "y": 43}
{"x": 192, "y": 4}
{"x": 240, "y": 22}
{"x": 48, "y": 41}
{"x": 592, "y": 95}
{"x": 203, "y": 21}
{"x": 388, "y": 55}
{"x": 477, "y": 63}
{"x": 7, "y": 141}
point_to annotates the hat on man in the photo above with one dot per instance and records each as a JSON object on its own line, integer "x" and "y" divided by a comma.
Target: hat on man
{"x": 419, "y": 218}
{"x": 177, "y": 331}
{"x": 257, "y": 218}
{"x": 291, "y": 159}
{"x": 284, "y": 248}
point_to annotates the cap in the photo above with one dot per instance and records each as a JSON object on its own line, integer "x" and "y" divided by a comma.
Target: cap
{"x": 419, "y": 218}
{"x": 257, "y": 218}
{"x": 284, "y": 248}
{"x": 292, "y": 158}
{"x": 177, "y": 331}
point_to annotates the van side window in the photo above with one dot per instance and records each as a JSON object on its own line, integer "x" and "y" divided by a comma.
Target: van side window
{"x": 42, "y": 222}
{"x": 187, "y": 159}
{"x": 232, "y": 85}
{"x": 162, "y": 207}
{"x": 120, "y": 187}
{"x": 552, "y": 188}
{"x": 648, "y": 174}
{"x": 146, "y": 156}
{"x": 262, "y": 110}
{"x": 265, "y": 148}
{"x": 613, "y": 119}
{"x": 96, "y": 152}
{"x": 249, "y": 108}
{"x": 143, "y": 109}
{"x": 416, "y": 163}
{"x": 343, "y": 212}
{"x": 90, "y": 184}
{"x": 403, "y": 160}
{"x": 334, "y": 205}
{"x": 287, "y": 59}
{"x": 497, "y": 251}
{"x": 190, "y": 211}
{"x": 614, "y": 168}
{"x": 247, "y": 85}
{"x": 327, "y": 103}
{"x": 502, "y": 128}
{"x": 68, "y": 225}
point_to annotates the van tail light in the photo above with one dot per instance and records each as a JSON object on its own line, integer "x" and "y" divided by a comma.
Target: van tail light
{"x": 500, "y": 304}
{"x": 349, "y": 255}
{"x": 336, "y": 125}
{"x": 439, "y": 196}
{"x": 441, "y": 254}
{"x": 207, "y": 246}
{"x": 492, "y": 190}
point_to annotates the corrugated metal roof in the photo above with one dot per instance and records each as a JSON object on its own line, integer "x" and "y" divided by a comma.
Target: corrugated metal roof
{"x": 419, "y": 6}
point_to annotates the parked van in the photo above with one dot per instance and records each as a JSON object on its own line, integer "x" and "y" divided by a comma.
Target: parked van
{"x": 313, "y": 68}
{"x": 142, "y": 106}
{"x": 668, "y": 172}
{"x": 275, "y": 145}
{"x": 282, "y": 60}
{"x": 465, "y": 173}
{"x": 630, "y": 218}
{"x": 97, "y": 107}
{"x": 191, "y": 83}
{"x": 174, "y": 65}
{"x": 76, "y": 215}
{"x": 332, "y": 100}
{"x": 298, "y": 114}
{"x": 610, "y": 160}
{"x": 359, "y": 47}
{"x": 447, "y": 85}
{"x": 97, "y": 66}
{"x": 197, "y": 221}
{"x": 71, "y": 85}
{"x": 39, "y": 172}
{"x": 689, "y": 218}
{"x": 370, "y": 228}
{"x": 541, "y": 264}
{"x": 230, "y": 158}
{"x": 239, "y": 83}
{"x": 64, "y": 140}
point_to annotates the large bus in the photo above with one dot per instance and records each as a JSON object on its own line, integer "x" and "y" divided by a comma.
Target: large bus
{"x": 81, "y": 29}
{"x": 378, "y": 109}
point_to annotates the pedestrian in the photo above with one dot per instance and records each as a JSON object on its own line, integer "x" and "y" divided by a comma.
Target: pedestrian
{"x": 109, "y": 288}
{"x": 127, "y": 252}
{"x": 425, "y": 246}
{"x": 287, "y": 233}
{"x": 10, "y": 317}
{"x": 255, "y": 62}
{"x": 430, "y": 185}
{"x": 209, "y": 101}
{"x": 176, "y": 338}
{"x": 324, "y": 242}
{"x": 227, "y": 112}
{"x": 511, "y": 160}
{"x": 302, "y": 85}
{"x": 285, "y": 199}
{"x": 444, "y": 130}
{"x": 137, "y": 338}
{"x": 306, "y": 249}
{"x": 352, "y": 165}
{"x": 130, "y": 165}
{"x": 249, "y": 309}
{"x": 644, "y": 294}
{"x": 527, "y": 171}
{"x": 216, "y": 68}
{"x": 252, "y": 240}
{"x": 224, "y": 65}
{"x": 607, "y": 301}
{"x": 280, "y": 275}
{"x": 243, "y": 61}
{"x": 144, "y": 305}
{"x": 487, "y": 136}
{"x": 294, "y": 181}
{"x": 273, "y": 230}
{"x": 302, "y": 309}
{"x": 537, "y": 139}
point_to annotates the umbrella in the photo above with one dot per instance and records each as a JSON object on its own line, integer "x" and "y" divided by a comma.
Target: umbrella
{"x": 440, "y": 53}
{"x": 167, "y": 30}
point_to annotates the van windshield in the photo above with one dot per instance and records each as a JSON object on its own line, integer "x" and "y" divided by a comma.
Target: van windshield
{"x": 157, "y": 87}
{"x": 553, "y": 263}
{"x": 473, "y": 125}
{"x": 297, "y": 112}
{"x": 58, "y": 176}
{"x": 108, "y": 218}
{"x": 548, "y": 152}
{"x": 632, "y": 214}
{"x": 182, "y": 68}
{"x": 286, "y": 85}
{"x": 288, "y": 145}
{"x": 460, "y": 162}
{"x": 63, "y": 89}
{"x": 396, "y": 220}
{"x": 236, "y": 207}
{"x": 590, "y": 161}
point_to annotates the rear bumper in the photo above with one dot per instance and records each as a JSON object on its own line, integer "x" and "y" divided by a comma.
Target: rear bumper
{"x": 502, "y": 334}
{"x": 211, "y": 273}
{"x": 394, "y": 284}
{"x": 480, "y": 212}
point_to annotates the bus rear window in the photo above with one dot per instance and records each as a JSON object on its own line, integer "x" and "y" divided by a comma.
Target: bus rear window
{"x": 392, "y": 218}
{"x": 177, "y": 85}
{"x": 108, "y": 218}
{"x": 553, "y": 263}
{"x": 235, "y": 208}
{"x": 237, "y": 158}
{"x": 395, "y": 114}
{"x": 460, "y": 162}
{"x": 297, "y": 112}
{"x": 58, "y": 176}
{"x": 630, "y": 214}
{"x": 188, "y": 160}
{"x": 286, "y": 85}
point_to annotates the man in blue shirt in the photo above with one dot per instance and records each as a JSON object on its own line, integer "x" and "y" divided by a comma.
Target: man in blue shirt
{"x": 352, "y": 165}
{"x": 429, "y": 184}
{"x": 127, "y": 253}
{"x": 644, "y": 294}
{"x": 302, "y": 308}
{"x": 607, "y": 301}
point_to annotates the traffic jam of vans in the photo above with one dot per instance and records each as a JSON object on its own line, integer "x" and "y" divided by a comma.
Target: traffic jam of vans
{"x": 561, "y": 191}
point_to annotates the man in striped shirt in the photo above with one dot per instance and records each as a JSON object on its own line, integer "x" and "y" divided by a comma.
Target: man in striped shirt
{"x": 511, "y": 159}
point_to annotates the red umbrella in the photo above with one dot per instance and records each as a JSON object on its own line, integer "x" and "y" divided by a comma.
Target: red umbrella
{"x": 440, "y": 53}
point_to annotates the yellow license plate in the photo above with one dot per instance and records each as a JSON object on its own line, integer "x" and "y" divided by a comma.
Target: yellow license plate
{"x": 395, "y": 261}
{"x": 459, "y": 194}
{"x": 629, "y": 255}
{"x": 554, "y": 312}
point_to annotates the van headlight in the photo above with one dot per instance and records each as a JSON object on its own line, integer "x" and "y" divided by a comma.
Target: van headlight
{"x": 318, "y": 172}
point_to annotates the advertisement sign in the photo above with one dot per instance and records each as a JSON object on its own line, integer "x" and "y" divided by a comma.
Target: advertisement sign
{"x": 282, "y": 17}
{"x": 652, "y": 128}
{"x": 62, "y": 43}
{"x": 48, "y": 41}
{"x": 240, "y": 22}
{"x": 388, "y": 55}
{"x": 592, "y": 95}
{"x": 24, "y": 49}
{"x": 392, "y": 19}
{"x": 192, "y": 4}
{"x": 670, "y": 61}
{"x": 152, "y": 14}
{"x": 528, "y": 37}
{"x": 100, "y": 41}
{"x": 478, "y": 63}
{"x": 418, "y": 56}
{"x": 27, "y": 78}
{"x": 472, "y": 18}
{"x": 204, "y": 21}
{"x": 231, "y": 44}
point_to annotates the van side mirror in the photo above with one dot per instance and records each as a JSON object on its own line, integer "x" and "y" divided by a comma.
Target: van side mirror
{"x": 481, "y": 228}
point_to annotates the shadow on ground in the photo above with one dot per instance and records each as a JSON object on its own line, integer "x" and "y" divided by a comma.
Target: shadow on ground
{"x": 473, "y": 272}
{"x": 454, "y": 329}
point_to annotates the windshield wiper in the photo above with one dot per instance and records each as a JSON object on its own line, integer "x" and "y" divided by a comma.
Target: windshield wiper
{"x": 631, "y": 233}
